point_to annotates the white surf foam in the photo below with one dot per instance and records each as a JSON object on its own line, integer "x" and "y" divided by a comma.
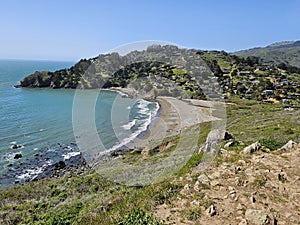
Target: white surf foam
{"x": 143, "y": 127}
{"x": 70, "y": 154}
{"x": 129, "y": 125}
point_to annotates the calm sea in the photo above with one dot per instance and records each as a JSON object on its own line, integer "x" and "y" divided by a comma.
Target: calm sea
{"x": 38, "y": 118}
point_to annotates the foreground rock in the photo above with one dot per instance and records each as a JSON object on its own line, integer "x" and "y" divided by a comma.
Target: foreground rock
{"x": 258, "y": 217}
{"x": 247, "y": 189}
{"x": 251, "y": 148}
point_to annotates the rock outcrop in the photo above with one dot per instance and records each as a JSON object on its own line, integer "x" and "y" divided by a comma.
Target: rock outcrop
{"x": 260, "y": 188}
{"x": 251, "y": 148}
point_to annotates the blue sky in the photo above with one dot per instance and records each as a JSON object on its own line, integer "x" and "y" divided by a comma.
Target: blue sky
{"x": 73, "y": 29}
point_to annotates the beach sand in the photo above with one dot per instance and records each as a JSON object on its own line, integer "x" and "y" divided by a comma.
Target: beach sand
{"x": 174, "y": 115}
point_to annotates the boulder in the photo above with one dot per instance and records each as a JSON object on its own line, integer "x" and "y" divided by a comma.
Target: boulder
{"x": 59, "y": 165}
{"x": 290, "y": 144}
{"x": 211, "y": 210}
{"x": 15, "y": 146}
{"x": 228, "y": 136}
{"x": 229, "y": 144}
{"x": 213, "y": 140}
{"x": 251, "y": 148}
{"x": 18, "y": 156}
{"x": 204, "y": 179}
{"x": 258, "y": 217}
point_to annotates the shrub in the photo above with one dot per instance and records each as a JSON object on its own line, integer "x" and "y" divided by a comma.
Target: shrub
{"x": 139, "y": 217}
{"x": 271, "y": 143}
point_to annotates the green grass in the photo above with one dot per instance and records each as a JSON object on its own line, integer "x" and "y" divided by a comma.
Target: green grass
{"x": 139, "y": 217}
{"x": 251, "y": 121}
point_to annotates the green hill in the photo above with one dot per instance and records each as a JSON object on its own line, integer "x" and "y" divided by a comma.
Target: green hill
{"x": 287, "y": 52}
{"x": 171, "y": 71}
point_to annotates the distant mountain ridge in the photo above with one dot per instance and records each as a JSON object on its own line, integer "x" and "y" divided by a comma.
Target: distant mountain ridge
{"x": 284, "y": 44}
{"x": 287, "y": 52}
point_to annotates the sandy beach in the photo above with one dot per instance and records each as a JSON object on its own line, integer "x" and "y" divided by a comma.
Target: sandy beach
{"x": 174, "y": 115}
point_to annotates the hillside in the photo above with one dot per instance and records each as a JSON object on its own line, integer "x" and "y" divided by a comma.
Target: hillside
{"x": 187, "y": 73}
{"x": 238, "y": 187}
{"x": 282, "y": 52}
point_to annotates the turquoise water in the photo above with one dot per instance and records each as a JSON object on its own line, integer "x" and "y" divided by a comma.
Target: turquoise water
{"x": 38, "y": 118}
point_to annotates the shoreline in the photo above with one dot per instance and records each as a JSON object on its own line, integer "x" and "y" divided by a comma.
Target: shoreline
{"x": 172, "y": 116}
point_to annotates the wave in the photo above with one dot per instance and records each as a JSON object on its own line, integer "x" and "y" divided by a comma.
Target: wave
{"x": 70, "y": 154}
{"x": 31, "y": 173}
{"x": 129, "y": 125}
{"x": 143, "y": 106}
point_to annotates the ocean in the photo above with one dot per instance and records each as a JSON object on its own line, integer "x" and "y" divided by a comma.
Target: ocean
{"x": 32, "y": 120}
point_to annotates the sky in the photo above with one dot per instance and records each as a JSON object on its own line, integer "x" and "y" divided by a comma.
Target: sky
{"x": 69, "y": 30}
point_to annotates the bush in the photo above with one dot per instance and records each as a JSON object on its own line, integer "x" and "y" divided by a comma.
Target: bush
{"x": 271, "y": 143}
{"x": 139, "y": 217}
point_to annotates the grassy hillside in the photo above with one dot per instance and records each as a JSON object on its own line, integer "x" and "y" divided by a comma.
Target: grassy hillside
{"x": 281, "y": 52}
{"x": 91, "y": 199}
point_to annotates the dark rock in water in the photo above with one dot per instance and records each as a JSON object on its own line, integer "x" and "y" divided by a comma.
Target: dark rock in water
{"x": 59, "y": 165}
{"x": 228, "y": 136}
{"x": 55, "y": 161}
{"x": 15, "y": 146}
{"x": 18, "y": 156}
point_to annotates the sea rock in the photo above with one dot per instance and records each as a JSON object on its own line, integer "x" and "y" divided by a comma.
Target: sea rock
{"x": 258, "y": 217}
{"x": 15, "y": 146}
{"x": 251, "y": 148}
{"x": 59, "y": 165}
{"x": 18, "y": 156}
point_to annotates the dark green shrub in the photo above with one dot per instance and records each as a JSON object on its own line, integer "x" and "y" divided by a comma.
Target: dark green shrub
{"x": 271, "y": 143}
